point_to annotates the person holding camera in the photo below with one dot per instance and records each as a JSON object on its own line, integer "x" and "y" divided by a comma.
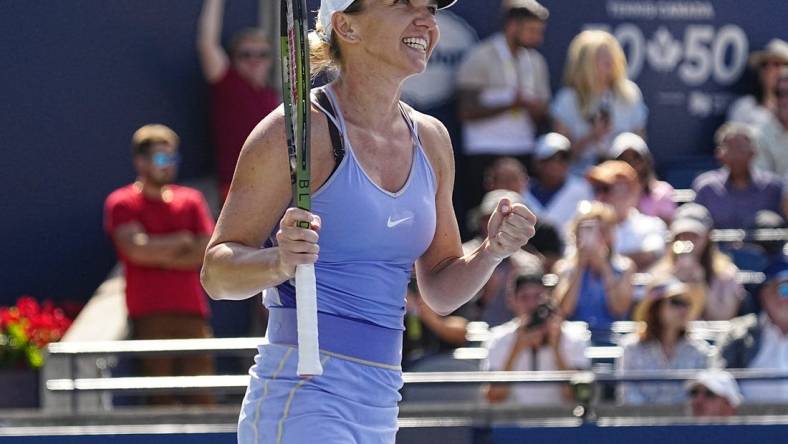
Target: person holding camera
{"x": 537, "y": 339}
{"x": 695, "y": 260}
{"x": 598, "y": 101}
{"x": 595, "y": 283}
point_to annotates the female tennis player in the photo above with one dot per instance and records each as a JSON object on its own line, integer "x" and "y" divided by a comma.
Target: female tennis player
{"x": 382, "y": 200}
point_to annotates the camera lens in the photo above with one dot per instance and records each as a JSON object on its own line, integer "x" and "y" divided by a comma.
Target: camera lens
{"x": 683, "y": 247}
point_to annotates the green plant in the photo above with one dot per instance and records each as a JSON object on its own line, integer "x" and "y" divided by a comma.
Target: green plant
{"x": 26, "y": 328}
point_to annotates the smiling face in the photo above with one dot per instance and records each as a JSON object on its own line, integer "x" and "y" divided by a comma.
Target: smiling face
{"x": 399, "y": 35}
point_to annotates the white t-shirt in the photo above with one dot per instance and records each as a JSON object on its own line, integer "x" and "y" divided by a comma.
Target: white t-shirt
{"x": 491, "y": 69}
{"x": 772, "y": 147}
{"x": 625, "y": 116}
{"x": 746, "y": 109}
{"x": 575, "y": 338}
{"x": 640, "y": 233}
{"x": 561, "y": 209}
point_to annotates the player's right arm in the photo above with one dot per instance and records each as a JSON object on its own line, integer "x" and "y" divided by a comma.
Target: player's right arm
{"x": 236, "y": 265}
{"x": 213, "y": 59}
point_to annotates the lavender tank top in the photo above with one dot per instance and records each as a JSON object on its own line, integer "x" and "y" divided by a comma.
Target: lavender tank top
{"x": 369, "y": 237}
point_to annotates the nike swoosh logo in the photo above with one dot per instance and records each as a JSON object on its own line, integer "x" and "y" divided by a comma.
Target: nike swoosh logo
{"x": 393, "y": 223}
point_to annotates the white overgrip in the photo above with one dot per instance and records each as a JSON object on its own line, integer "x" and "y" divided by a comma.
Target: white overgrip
{"x": 306, "y": 313}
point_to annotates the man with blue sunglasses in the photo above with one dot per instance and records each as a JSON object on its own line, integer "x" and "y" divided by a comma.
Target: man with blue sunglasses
{"x": 160, "y": 231}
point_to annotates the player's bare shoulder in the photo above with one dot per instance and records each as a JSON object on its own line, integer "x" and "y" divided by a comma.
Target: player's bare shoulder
{"x": 267, "y": 138}
{"x": 436, "y": 141}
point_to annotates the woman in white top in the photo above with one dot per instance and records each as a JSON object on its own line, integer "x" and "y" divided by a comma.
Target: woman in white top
{"x": 598, "y": 101}
{"x": 662, "y": 344}
{"x": 758, "y": 107}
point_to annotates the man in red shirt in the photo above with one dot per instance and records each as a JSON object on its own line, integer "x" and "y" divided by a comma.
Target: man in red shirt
{"x": 160, "y": 231}
{"x": 240, "y": 93}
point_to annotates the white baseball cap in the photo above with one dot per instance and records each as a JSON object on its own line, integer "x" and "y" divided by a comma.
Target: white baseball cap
{"x": 329, "y": 7}
{"x": 628, "y": 141}
{"x": 719, "y": 382}
{"x": 550, "y": 144}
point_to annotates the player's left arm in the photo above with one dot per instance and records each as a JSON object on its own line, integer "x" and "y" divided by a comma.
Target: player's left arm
{"x": 447, "y": 278}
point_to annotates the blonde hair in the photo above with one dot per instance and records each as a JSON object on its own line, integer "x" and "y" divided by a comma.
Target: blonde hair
{"x": 151, "y": 134}
{"x": 581, "y": 74}
{"x": 326, "y": 56}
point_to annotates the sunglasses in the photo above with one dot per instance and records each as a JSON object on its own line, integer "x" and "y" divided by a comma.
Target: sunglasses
{"x": 782, "y": 289}
{"x": 601, "y": 189}
{"x": 678, "y": 303}
{"x": 246, "y": 55}
{"x": 697, "y": 391}
{"x": 163, "y": 160}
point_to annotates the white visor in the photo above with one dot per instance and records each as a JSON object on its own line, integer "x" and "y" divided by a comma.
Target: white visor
{"x": 329, "y": 7}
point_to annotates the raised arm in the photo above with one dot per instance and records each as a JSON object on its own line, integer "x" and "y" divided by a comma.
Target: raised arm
{"x": 567, "y": 292}
{"x": 213, "y": 58}
{"x": 447, "y": 278}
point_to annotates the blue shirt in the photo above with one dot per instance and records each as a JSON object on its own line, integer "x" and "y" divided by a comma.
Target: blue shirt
{"x": 592, "y": 304}
{"x": 542, "y": 194}
{"x": 733, "y": 208}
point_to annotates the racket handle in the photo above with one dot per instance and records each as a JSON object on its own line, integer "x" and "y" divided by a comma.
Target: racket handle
{"x": 306, "y": 314}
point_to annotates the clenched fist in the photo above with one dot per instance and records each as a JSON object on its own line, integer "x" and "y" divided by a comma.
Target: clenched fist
{"x": 510, "y": 227}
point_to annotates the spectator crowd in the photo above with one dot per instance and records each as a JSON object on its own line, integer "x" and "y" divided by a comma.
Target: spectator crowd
{"x": 616, "y": 242}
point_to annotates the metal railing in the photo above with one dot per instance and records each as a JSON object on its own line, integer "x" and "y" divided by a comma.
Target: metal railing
{"x": 74, "y": 385}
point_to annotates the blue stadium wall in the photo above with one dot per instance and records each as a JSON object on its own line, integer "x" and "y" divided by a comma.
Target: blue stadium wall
{"x": 80, "y": 76}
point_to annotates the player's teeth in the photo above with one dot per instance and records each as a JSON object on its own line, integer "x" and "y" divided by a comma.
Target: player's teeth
{"x": 416, "y": 43}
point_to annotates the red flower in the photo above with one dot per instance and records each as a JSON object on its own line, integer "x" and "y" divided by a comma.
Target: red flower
{"x": 32, "y": 327}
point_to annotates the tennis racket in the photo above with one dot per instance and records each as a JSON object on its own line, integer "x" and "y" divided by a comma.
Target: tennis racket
{"x": 294, "y": 44}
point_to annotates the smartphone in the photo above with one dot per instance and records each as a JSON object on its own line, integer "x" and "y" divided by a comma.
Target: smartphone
{"x": 587, "y": 234}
